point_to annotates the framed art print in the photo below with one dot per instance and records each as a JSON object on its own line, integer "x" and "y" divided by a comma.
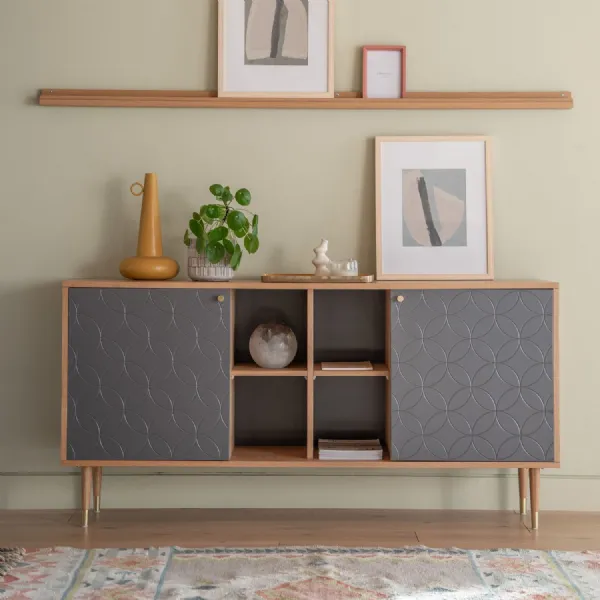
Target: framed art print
{"x": 276, "y": 48}
{"x": 384, "y": 72}
{"x": 434, "y": 208}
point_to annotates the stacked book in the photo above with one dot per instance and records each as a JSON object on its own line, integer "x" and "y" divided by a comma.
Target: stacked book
{"x": 350, "y": 450}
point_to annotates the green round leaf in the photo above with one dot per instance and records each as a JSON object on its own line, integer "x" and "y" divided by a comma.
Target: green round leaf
{"x": 251, "y": 243}
{"x": 229, "y": 247}
{"x": 196, "y": 227}
{"x": 218, "y": 234}
{"x": 255, "y": 225}
{"x": 216, "y": 190}
{"x": 240, "y": 233}
{"x": 196, "y": 216}
{"x": 215, "y": 211}
{"x": 204, "y": 216}
{"x": 186, "y": 237}
{"x": 243, "y": 197}
{"x": 200, "y": 244}
{"x": 227, "y": 196}
{"x": 237, "y": 221}
{"x": 236, "y": 258}
{"x": 215, "y": 251}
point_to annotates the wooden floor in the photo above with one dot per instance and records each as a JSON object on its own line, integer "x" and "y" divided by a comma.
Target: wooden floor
{"x": 251, "y": 528}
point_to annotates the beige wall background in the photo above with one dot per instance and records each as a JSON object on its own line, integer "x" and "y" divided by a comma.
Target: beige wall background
{"x": 66, "y": 211}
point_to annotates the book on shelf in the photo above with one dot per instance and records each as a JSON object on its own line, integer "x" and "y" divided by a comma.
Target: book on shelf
{"x": 350, "y": 450}
{"x": 347, "y": 366}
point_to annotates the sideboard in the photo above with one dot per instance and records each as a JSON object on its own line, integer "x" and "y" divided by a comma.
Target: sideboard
{"x": 158, "y": 374}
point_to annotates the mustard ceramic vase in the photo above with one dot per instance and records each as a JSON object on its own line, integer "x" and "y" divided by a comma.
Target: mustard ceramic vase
{"x": 149, "y": 263}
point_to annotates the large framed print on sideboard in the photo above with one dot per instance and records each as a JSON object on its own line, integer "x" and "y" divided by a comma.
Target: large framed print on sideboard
{"x": 434, "y": 208}
{"x": 466, "y": 376}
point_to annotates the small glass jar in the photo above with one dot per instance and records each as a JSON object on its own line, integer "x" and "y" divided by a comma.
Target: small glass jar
{"x": 347, "y": 267}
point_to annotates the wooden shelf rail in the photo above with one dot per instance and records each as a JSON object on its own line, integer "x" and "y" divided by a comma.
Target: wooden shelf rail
{"x": 301, "y": 370}
{"x": 296, "y": 457}
{"x": 342, "y": 100}
{"x": 252, "y": 370}
{"x": 379, "y": 370}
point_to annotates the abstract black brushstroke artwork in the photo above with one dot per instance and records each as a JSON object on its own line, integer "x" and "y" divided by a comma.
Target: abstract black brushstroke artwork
{"x": 434, "y": 236}
{"x": 276, "y": 32}
{"x": 434, "y": 207}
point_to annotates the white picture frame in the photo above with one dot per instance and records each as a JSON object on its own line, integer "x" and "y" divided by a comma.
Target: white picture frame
{"x": 309, "y": 74}
{"x": 433, "y": 208}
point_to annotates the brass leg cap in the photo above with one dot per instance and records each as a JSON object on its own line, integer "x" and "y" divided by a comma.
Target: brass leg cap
{"x": 84, "y": 518}
{"x": 523, "y": 506}
{"x": 96, "y": 504}
{"x": 535, "y": 521}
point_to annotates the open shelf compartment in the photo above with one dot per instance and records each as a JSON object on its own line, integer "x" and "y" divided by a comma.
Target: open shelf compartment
{"x": 350, "y": 408}
{"x": 270, "y": 412}
{"x": 350, "y": 326}
{"x": 256, "y": 307}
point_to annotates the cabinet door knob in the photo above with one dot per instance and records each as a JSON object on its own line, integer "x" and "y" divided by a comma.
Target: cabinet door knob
{"x": 221, "y": 299}
{"x": 400, "y": 298}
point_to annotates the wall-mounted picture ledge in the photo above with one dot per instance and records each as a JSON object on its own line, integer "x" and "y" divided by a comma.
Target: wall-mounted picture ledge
{"x": 341, "y": 100}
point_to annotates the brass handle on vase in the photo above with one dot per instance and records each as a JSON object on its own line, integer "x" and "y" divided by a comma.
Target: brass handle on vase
{"x": 134, "y": 185}
{"x": 221, "y": 299}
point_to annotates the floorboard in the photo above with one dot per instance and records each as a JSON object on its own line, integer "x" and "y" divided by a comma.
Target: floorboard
{"x": 255, "y": 528}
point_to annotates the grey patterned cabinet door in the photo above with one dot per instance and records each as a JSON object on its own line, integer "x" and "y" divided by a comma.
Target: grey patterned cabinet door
{"x": 148, "y": 374}
{"x": 472, "y": 375}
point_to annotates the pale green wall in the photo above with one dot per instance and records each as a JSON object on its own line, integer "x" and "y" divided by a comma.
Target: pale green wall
{"x": 66, "y": 211}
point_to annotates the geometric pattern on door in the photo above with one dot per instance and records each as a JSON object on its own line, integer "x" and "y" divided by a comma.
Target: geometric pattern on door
{"x": 472, "y": 375}
{"x": 148, "y": 374}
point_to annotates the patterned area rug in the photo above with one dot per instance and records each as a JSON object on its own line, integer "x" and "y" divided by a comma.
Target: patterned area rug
{"x": 303, "y": 574}
{"x": 9, "y": 557}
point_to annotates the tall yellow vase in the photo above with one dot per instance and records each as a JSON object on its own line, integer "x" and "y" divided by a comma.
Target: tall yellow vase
{"x": 149, "y": 263}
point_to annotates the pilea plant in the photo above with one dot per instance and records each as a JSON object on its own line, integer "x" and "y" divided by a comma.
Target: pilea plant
{"x": 220, "y": 227}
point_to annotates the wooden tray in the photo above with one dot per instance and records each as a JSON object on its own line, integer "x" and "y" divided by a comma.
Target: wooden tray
{"x": 306, "y": 278}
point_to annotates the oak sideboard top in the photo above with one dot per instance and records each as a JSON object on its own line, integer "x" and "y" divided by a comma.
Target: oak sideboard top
{"x": 237, "y": 284}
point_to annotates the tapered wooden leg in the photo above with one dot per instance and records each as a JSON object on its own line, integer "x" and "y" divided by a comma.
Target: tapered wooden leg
{"x": 97, "y": 477}
{"x": 86, "y": 494}
{"x": 534, "y": 490}
{"x": 523, "y": 491}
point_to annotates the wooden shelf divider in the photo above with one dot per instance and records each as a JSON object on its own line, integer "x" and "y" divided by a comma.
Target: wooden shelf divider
{"x": 252, "y": 370}
{"x": 251, "y": 455}
{"x": 341, "y": 101}
{"x": 295, "y": 456}
{"x": 379, "y": 370}
{"x": 310, "y": 382}
{"x": 302, "y": 370}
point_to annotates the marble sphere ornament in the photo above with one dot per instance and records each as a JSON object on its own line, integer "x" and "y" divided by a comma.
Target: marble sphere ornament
{"x": 273, "y": 346}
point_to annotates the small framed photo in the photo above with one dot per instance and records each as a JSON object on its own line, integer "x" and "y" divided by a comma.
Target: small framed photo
{"x": 276, "y": 48}
{"x": 433, "y": 208}
{"x": 384, "y": 72}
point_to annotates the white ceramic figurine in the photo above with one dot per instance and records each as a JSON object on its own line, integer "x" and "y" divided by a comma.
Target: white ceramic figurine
{"x": 321, "y": 260}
